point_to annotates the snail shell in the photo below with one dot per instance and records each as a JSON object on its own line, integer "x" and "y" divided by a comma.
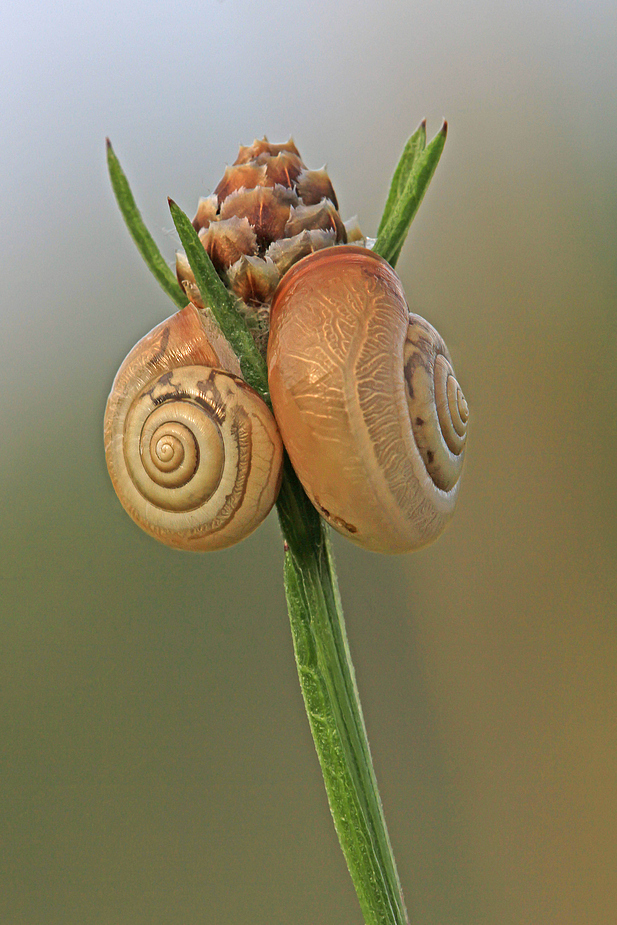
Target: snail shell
{"x": 366, "y": 400}
{"x": 193, "y": 452}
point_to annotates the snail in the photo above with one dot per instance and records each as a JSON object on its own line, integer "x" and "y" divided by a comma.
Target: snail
{"x": 366, "y": 400}
{"x": 193, "y": 452}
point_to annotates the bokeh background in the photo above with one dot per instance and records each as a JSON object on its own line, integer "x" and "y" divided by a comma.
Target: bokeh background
{"x": 156, "y": 762}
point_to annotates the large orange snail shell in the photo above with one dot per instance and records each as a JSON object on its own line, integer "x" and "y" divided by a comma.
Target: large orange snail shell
{"x": 366, "y": 400}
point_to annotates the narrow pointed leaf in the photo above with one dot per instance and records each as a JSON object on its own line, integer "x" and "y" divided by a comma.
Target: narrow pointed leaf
{"x": 415, "y": 145}
{"x": 143, "y": 239}
{"x": 392, "y": 234}
{"x": 221, "y": 303}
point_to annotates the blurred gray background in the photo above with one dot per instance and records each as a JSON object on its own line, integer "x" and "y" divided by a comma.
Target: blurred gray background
{"x": 156, "y": 762}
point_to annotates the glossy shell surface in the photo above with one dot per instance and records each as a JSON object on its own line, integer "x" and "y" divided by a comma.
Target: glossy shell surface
{"x": 366, "y": 400}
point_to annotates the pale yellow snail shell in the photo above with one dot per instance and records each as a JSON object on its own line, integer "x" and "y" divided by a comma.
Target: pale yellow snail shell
{"x": 366, "y": 400}
{"x": 193, "y": 452}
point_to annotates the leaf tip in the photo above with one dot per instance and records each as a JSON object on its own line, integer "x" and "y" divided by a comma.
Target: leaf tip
{"x": 110, "y": 153}
{"x": 444, "y": 128}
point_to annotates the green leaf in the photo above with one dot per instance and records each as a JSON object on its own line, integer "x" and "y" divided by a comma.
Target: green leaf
{"x": 409, "y": 184}
{"x": 412, "y": 149}
{"x": 143, "y": 239}
{"x": 222, "y": 304}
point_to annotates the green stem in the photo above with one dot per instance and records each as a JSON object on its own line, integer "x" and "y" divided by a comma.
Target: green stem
{"x": 327, "y": 679}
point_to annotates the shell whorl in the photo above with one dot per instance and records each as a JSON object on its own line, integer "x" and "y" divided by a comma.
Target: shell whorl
{"x": 438, "y": 410}
{"x": 193, "y": 452}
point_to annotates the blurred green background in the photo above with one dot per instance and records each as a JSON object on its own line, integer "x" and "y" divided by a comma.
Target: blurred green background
{"x": 156, "y": 762}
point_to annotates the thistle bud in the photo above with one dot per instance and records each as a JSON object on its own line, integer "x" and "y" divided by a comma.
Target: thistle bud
{"x": 267, "y": 212}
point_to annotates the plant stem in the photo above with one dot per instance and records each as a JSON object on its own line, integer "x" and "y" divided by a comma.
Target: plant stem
{"x": 328, "y": 684}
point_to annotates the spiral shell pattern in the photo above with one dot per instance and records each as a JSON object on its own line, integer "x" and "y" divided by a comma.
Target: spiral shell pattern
{"x": 437, "y": 408}
{"x": 194, "y": 453}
